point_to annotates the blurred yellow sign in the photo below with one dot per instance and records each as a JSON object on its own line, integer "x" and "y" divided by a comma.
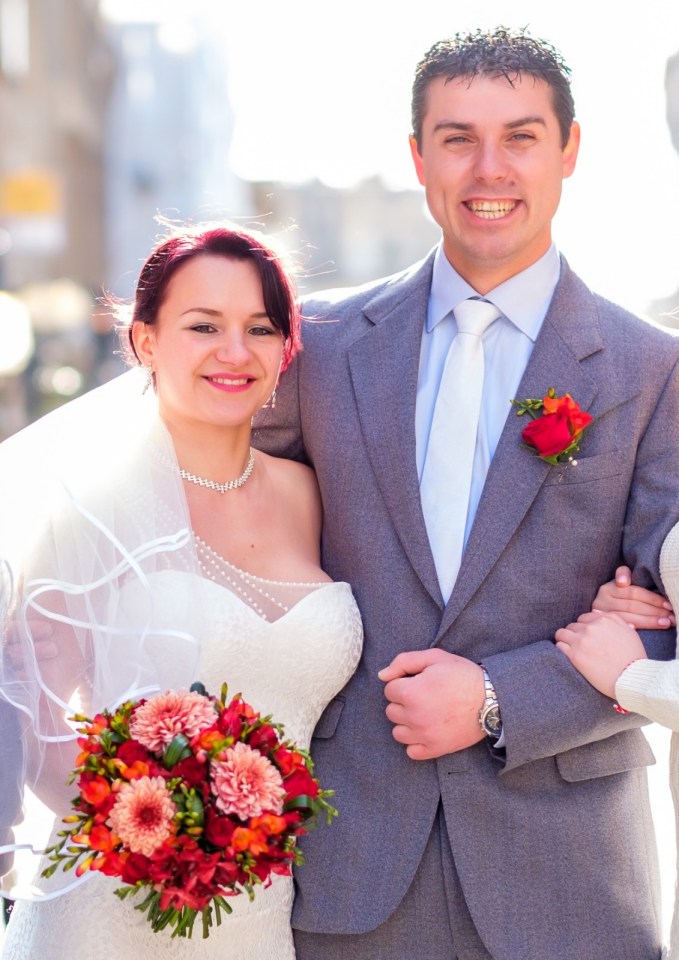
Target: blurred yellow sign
{"x": 30, "y": 192}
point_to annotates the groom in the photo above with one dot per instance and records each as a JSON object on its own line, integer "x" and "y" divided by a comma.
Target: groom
{"x": 492, "y": 804}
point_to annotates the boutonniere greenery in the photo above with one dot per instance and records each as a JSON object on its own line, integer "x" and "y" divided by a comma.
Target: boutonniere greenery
{"x": 555, "y": 428}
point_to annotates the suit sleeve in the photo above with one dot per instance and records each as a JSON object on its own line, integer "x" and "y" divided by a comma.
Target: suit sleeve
{"x": 11, "y": 764}
{"x": 277, "y": 429}
{"x": 547, "y": 707}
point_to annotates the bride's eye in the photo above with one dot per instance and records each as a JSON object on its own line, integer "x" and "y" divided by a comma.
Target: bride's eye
{"x": 262, "y": 331}
{"x": 203, "y": 328}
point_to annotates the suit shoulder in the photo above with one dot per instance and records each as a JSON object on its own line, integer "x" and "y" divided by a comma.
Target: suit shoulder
{"x": 325, "y": 303}
{"x": 634, "y": 331}
{"x": 619, "y": 329}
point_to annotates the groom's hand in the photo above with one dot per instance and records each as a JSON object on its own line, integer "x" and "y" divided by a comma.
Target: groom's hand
{"x": 435, "y": 699}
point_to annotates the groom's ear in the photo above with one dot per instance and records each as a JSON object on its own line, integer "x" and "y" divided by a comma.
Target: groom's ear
{"x": 570, "y": 151}
{"x": 417, "y": 160}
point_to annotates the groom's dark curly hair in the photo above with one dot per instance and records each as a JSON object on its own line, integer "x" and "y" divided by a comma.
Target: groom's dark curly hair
{"x": 494, "y": 53}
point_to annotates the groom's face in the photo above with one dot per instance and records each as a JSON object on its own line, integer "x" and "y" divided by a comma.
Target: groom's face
{"x": 492, "y": 163}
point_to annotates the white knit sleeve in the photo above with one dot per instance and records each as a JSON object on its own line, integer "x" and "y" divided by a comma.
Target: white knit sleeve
{"x": 651, "y": 688}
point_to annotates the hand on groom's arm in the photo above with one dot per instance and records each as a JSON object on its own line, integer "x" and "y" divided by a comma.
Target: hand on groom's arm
{"x": 434, "y": 701}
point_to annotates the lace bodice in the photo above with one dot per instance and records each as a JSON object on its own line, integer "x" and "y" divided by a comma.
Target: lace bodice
{"x": 290, "y": 666}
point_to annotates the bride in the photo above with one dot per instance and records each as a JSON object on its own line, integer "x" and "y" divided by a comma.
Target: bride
{"x": 139, "y": 523}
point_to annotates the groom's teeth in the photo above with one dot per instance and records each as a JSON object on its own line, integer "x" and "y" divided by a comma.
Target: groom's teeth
{"x": 491, "y": 209}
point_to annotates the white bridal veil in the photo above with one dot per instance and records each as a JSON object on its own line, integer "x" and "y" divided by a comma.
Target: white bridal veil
{"x": 92, "y": 512}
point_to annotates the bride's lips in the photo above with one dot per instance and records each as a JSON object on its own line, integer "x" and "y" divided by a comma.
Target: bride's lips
{"x": 230, "y": 384}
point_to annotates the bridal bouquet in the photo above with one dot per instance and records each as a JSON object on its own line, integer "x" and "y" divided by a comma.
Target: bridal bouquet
{"x": 192, "y": 799}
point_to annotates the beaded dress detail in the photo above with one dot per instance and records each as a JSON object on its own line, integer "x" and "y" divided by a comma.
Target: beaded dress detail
{"x": 289, "y": 648}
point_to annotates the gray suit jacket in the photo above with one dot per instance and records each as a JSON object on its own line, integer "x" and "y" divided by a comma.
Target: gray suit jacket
{"x": 552, "y": 840}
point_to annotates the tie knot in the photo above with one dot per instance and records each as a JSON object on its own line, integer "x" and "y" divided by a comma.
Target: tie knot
{"x": 475, "y": 316}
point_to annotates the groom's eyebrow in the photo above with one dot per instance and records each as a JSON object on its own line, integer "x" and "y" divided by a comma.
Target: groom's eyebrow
{"x": 470, "y": 127}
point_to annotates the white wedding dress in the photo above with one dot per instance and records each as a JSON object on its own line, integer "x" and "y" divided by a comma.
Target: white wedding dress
{"x": 288, "y": 648}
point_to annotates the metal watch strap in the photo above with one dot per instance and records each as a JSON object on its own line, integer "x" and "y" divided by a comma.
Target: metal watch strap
{"x": 489, "y": 717}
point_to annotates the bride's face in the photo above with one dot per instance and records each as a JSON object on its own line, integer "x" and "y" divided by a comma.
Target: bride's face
{"x": 214, "y": 351}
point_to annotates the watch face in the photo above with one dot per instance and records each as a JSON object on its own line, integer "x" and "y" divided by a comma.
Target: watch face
{"x": 491, "y": 722}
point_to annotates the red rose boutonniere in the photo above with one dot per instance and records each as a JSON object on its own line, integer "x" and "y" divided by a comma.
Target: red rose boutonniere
{"x": 556, "y": 426}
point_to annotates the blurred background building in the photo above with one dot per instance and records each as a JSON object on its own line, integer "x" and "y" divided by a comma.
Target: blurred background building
{"x": 56, "y": 70}
{"x": 105, "y": 126}
{"x": 111, "y": 122}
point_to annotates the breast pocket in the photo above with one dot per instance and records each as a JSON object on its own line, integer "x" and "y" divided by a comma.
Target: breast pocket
{"x": 587, "y": 469}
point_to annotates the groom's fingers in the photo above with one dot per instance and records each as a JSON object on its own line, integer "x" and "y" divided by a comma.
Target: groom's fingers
{"x": 410, "y": 663}
{"x": 400, "y": 676}
{"x": 434, "y": 700}
{"x": 415, "y": 749}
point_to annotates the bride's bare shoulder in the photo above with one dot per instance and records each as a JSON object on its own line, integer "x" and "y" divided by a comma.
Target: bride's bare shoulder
{"x": 294, "y": 490}
{"x": 291, "y": 477}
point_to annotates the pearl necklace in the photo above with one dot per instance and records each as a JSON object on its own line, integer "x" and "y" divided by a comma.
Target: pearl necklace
{"x": 222, "y": 487}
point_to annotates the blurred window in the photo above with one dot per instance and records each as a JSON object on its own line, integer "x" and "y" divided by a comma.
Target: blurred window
{"x": 14, "y": 38}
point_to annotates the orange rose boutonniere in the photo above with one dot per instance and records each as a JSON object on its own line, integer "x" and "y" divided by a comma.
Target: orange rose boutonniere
{"x": 556, "y": 426}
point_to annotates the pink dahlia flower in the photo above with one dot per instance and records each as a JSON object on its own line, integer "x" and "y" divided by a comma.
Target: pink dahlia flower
{"x": 143, "y": 814}
{"x": 157, "y": 722}
{"x": 246, "y": 783}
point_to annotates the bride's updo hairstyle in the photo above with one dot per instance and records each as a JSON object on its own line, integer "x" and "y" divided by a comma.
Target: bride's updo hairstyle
{"x": 222, "y": 240}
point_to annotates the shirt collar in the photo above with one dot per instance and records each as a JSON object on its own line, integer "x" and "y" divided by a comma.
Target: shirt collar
{"x": 524, "y": 299}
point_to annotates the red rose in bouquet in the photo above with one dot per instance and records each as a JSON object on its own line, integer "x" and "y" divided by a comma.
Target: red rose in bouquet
{"x": 190, "y": 798}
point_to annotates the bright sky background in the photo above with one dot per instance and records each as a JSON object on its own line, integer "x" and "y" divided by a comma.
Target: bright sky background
{"x": 323, "y": 90}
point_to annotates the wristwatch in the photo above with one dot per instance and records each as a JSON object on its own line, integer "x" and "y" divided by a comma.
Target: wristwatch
{"x": 489, "y": 718}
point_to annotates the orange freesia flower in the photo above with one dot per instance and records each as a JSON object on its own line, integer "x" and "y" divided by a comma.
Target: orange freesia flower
{"x": 97, "y": 725}
{"x": 134, "y": 770}
{"x": 252, "y": 840}
{"x": 84, "y": 866}
{"x": 102, "y": 839}
{"x": 209, "y": 740}
{"x": 270, "y": 823}
{"x": 94, "y": 790}
{"x": 88, "y": 747}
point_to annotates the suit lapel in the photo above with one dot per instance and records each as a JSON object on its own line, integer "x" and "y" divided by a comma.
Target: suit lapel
{"x": 569, "y": 334}
{"x": 384, "y": 365}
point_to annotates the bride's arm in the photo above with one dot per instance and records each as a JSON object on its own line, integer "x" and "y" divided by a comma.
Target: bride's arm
{"x": 610, "y": 655}
{"x": 651, "y": 688}
{"x": 606, "y": 649}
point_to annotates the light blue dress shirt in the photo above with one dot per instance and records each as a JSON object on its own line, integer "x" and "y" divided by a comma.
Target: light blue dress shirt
{"x": 507, "y": 344}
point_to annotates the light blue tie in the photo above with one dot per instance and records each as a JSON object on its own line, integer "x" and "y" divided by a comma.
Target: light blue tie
{"x": 447, "y": 474}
